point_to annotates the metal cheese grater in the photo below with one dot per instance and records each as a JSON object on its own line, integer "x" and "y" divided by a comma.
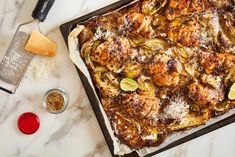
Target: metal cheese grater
{"x": 16, "y": 60}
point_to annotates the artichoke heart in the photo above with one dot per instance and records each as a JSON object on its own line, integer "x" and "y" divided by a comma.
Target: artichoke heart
{"x": 106, "y": 82}
{"x": 135, "y": 40}
{"x": 177, "y": 22}
{"x": 95, "y": 45}
{"x": 86, "y": 53}
{"x": 184, "y": 54}
{"x": 116, "y": 67}
{"x": 86, "y": 47}
{"x": 191, "y": 69}
{"x": 154, "y": 44}
{"x": 132, "y": 70}
{"x": 146, "y": 85}
{"x": 150, "y": 7}
{"x": 111, "y": 79}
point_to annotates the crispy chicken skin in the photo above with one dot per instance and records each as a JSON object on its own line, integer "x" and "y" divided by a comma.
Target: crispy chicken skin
{"x": 203, "y": 95}
{"x": 227, "y": 35}
{"x": 127, "y": 130}
{"x": 177, "y": 8}
{"x": 136, "y": 24}
{"x": 85, "y": 35}
{"x": 228, "y": 21}
{"x": 136, "y": 133}
{"x": 186, "y": 33}
{"x": 100, "y": 27}
{"x": 164, "y": 71}
{"x": 218, "y": 4}
{"x": 142, "y": 106}
{"x": 108, "y": 22}
{"x": 216, "y": 63}
{"x": 112, "y": 51}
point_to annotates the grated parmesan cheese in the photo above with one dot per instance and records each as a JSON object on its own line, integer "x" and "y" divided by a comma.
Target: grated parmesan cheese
{"x": 177, "y": 109}
{"x": 102, "y": 33}
{"x": 40, "y": 68}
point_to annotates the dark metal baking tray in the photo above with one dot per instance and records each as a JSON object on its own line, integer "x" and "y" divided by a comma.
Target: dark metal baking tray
{"x": 66, "y": 29}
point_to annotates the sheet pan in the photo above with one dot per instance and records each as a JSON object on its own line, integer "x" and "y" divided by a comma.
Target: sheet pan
{"x": 91, "y": 93}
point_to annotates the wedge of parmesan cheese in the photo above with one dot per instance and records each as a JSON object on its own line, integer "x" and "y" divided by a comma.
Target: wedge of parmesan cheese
{"x": 40, "y": 44}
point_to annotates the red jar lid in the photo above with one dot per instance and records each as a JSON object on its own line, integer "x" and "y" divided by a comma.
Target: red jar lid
{"x": 28, "y": 123}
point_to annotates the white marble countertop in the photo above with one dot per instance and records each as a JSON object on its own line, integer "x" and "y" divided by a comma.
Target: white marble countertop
{"x": 75, "y": 132}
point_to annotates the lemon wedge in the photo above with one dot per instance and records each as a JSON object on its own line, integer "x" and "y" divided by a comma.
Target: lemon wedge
{"x": 128, "y": 84}
{"x": 231, "y": 94}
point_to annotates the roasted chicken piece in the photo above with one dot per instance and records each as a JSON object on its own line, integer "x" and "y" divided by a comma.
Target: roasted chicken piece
{"x": 191, "y": 121}
{"x": 100, "y": 29}
{"x": 136, "y": 24}
{"x": 216, "y": 63}
{"x": 164, "y": 70}
{"x": 177, "y": 8}
{"x": 204, "y": 96}
{"x": 227, "y": 20}
{"x": 127, "y": 130}
{"x": 112, "y": 53}
{"x": 210, "y": 28}
{"x": 85, "y": 35}
{"x": 142, "y": 106}
{"x": 218, "y": 4}
{"x": 213, "y": 81}
{"x": 135, "y": 133}
{"x": 227, "y": 35}
{"x": 186, "y": 33}
{"x": 159, "y": 23}
{"x": 108, "y": 22}
{"x": 111, "y": 104}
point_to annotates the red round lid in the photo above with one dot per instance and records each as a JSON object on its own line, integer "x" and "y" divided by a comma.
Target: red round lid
{"x": 28, "y": 123}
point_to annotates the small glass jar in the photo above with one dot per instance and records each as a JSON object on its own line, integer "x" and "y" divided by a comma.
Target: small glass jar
{"x": 28, "y": 123}
{"x": 55, "y": 100}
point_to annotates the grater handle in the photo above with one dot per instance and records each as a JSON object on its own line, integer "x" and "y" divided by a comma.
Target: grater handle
{"x": 42, "y": 9}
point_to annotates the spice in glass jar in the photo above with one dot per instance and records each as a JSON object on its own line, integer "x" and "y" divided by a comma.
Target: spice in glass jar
{"x": 54, "y": 102}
